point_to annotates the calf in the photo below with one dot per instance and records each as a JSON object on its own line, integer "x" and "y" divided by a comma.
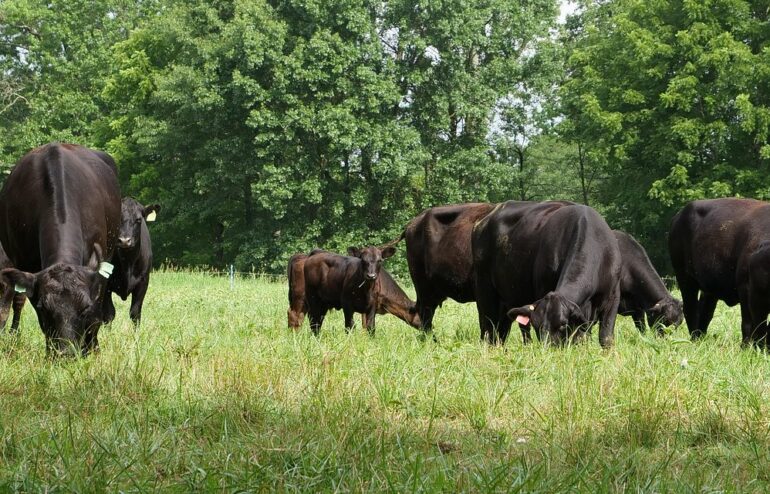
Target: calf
{"x": 10, "y": 297}
{"x": 59, "y": 217}
{"x": 721, "y": 248}
{"x": 557, "y": 264}
{"x": 642, "y": 292}
{"x": 347, "y": 282}
{"x": 391, "y": 299}
{"x": 133, "y": 257}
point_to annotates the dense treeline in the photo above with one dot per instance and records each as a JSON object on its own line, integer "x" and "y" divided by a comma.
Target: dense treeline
{"x": 269, "y": 127}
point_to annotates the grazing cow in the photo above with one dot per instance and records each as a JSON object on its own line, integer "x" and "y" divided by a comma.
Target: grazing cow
{"x": 133, "y": 257}
{"x": 347, "y": 282}
{"x": 721, "y": 248}
{"x": 438, "y": 250}
{"x": 9, "y": 298}
{"x": 642, "y": 292}
{"x": 391, "y": 299}
{"x": 557, "y": 264}
{"x": 59, "y": 217}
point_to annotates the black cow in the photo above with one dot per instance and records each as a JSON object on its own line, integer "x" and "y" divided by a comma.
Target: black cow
{"x": 133, "y": 257}
{"x": 60, "y": 214}
{"x": 721, "y": 248}
{"x": 642, "y": 292}
{"x": 438, "y": 250}
{"x": 553, "y": 265}
{"x": 391, "y": 299}
{"x": 9, "y": 298}
{"x": 347, "y": 282}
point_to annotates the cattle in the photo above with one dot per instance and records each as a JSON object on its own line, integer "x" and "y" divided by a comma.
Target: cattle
{"x": 133, "y": 257}
{"x": 642, "y": 292}
{"x": 391, "y": 299}
{"x": 438, "y": 251}
{"x": 333, "y": 281}
{"x": 9, "y": 298}
{"x": 552, "y": 265}
{"x": 720, "y": 248}
{"x": 60, "y": 215}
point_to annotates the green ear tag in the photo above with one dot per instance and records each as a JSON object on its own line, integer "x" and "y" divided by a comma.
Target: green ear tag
{"x": 151, "y": 217}
{"x": 105, "y": 269}
{"x": 19, "y": 289}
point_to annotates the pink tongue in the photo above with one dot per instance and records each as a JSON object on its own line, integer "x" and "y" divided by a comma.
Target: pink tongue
{"x": 522, "y": 320}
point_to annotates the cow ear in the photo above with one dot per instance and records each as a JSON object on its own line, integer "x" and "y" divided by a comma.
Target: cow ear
{"x": 521, "y": 314}
{"x": 388, "y": 252}
{"x": 354, "y": 251}
{"x": 151, "y": 212}
{"x": 576, "y": 316}
{"x": 19, "y": 281}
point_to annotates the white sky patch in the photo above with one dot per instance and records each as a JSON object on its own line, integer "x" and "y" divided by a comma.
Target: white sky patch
{"x": 566, "y": 7}
{"x": 433, "y": 54}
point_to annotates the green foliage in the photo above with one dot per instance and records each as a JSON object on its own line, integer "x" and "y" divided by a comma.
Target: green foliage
{"x": 672, "y": 98}
{"x": 268, "y": 128}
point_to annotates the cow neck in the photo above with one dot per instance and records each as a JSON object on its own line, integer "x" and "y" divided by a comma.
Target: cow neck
{"x": 651, "y": 289}
{"x": 63, "y": 245}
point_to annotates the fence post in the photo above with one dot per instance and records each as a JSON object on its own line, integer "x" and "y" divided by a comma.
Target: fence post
{"x": 232, "y": 277}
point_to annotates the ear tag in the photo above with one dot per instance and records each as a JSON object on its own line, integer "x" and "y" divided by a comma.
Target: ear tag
{"x": 151, "y": 217}
{"x": 105, "y": 269}
{"x": 523, "y": 320}
{"x": 531, "y": 307}
{"x": 19, "y": 289}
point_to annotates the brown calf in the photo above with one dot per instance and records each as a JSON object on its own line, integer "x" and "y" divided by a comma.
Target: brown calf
{"x": 322, "y": 280}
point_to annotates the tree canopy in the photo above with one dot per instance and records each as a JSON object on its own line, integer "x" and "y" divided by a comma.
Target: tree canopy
{"x": 267, "y": 127}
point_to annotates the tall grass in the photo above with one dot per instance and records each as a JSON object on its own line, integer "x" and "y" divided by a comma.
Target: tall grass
{"x": 213, "y": 393}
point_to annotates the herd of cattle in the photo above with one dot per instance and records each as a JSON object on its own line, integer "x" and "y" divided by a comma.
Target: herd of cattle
{"x": 69, "y": 241}
{"x": 554, "y": 266}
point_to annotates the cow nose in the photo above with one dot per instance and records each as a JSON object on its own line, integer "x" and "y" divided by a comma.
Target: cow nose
{"x": 124, "y": 242}
{"x": 371, "y": 276}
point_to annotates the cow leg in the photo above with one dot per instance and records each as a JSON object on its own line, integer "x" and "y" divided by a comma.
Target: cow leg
{"x": 316, "y": 319}
{"x": 504, "y": 325}
{"x": 18, "y": 304}
{"x": 108, "y": 308}
{"x": 607, "y": 322}
{"x": 369, "y": 324}
{"x": 137, "y": 300}
{"x": 638, "y": 317}
{"x": 349, "y": 321}
{"x": 757, "y": 315}
{"x": 5, "y": 305}
{"x": 706, "y": 306}
{"x": 488, "y": 307}
{"x": 689, "y": 289}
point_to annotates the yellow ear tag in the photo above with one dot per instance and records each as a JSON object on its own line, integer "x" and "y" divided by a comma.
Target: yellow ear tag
{"x": 531, "y": 307}
{"x": 151, "y": 217}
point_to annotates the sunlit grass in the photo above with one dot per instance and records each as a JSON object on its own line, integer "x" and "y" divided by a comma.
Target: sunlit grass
{"x": 214, "y": 393}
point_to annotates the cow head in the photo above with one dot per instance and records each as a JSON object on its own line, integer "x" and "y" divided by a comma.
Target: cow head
{"x": 553, "y": 316}
{"x": 666, "y": 312}
{"x": 132, "y": 214}
{"x": 371, "y": 259}
{"x": 67, "y": 300}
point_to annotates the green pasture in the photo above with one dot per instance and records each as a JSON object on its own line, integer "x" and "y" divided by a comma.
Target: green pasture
{"x": 213, "y": 393}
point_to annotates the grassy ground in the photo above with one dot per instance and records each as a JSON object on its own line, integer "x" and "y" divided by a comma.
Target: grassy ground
{"x": 215, "y": 394}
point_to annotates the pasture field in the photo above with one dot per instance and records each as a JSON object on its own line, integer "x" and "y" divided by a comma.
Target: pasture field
{"x": 213, "y": 393}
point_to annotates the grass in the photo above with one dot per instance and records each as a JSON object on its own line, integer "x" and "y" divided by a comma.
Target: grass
{"x": 213, "y": 393}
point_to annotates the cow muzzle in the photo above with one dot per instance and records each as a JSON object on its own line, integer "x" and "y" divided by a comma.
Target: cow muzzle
{"x": 125, "y": 242}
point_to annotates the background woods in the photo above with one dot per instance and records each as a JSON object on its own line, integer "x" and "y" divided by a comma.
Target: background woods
{"x": 269, "y": 127}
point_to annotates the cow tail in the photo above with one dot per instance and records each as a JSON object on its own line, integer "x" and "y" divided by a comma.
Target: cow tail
{"x": 395, "y": 241}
